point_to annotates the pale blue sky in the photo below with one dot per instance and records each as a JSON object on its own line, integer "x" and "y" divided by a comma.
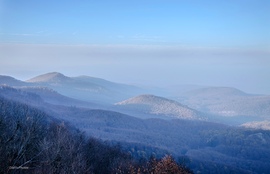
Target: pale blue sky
{"x": 153, "y": 42}
{"x": 189, "y": 22}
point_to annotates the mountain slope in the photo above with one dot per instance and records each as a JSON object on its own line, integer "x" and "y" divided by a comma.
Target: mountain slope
{"x": 10, "y": 81}
{"x": 53, "y": 97}
{"x": 155, "y": 105}
{"x": 41, "y": 96}
{"x": 86, "y": 88}
{"x": 227, "y": 102}
{"x": 20, "y": 95}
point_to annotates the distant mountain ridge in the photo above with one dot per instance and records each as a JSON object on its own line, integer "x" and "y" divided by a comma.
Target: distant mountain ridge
{"x": 49, "y": 77}
{"x": 225, "y": 101}
{"x": 84, "y": 88}
{"x": 216, "y": 92}
{"x": 10, "y": 81}
{"x": 220, "y": 103}
{"x": 155, "y": 105}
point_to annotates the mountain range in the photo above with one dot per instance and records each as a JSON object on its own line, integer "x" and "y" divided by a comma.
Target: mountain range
{"x": 204, "y": 146}
{"x": 84, "y": 88}
{"x": 187, "y": 127}
{"x": 219, "y": 104}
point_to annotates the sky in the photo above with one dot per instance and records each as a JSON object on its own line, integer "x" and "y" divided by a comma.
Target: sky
{"x": 147, "y": 42}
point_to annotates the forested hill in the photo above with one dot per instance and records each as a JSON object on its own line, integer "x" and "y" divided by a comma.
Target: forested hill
{"x": 33, "y": 142}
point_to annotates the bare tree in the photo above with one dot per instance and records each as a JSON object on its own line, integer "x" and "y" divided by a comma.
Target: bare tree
{"x": 63, "y": 151}
{"x": 22, "y": 129}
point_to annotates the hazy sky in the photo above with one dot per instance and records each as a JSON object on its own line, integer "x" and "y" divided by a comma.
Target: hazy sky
{"x": 151, "y": 42}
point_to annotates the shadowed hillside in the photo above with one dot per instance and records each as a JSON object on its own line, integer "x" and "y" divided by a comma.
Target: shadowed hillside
{"x": 32, "y": 142}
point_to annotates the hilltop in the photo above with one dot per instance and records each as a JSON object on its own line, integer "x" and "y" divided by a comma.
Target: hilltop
{"x": 156, "y": 105}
